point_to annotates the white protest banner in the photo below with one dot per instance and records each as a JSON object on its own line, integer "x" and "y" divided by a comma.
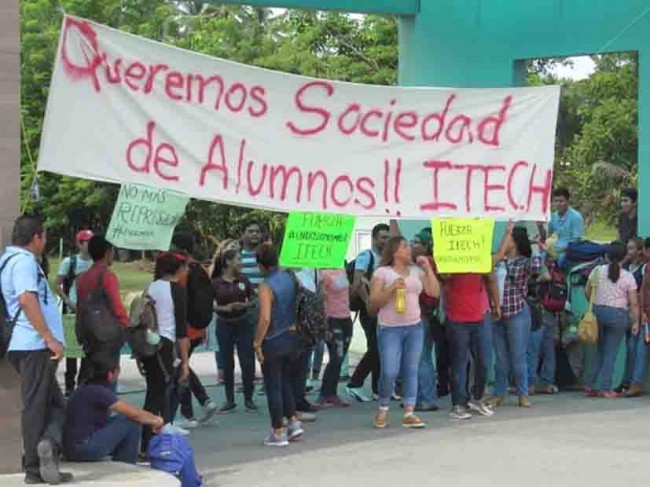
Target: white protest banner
{"x": 128, "y": 110}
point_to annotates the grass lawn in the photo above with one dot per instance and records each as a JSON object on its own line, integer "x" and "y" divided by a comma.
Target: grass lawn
{"x": 601, "y": 232}
{"x": 133, "y": 276}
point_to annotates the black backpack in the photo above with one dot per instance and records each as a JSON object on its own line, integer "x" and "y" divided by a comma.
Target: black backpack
{"x": 7, "y": 322}
{"x": 200, "y": 297}
{"x": 311, "y": 319}
{"x": 97, "y": 327}
{"x": 356, "y": 303}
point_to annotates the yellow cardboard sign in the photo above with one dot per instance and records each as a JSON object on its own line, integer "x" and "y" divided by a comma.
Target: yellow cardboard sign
{"x": 463, "y": 245}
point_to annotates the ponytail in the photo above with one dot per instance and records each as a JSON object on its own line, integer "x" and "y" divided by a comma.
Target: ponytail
{"x": 614, "y": 272}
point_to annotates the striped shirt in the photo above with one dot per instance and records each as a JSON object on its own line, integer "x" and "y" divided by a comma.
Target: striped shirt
{"x": 250, "y": 269}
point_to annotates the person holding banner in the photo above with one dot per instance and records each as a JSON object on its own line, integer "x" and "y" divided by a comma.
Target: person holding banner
{"x": 395, "y": 295}
{"x": 512, "y": 331}
{"x": 276, "y": 346}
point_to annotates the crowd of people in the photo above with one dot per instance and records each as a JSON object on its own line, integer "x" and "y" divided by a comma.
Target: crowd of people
{"x": 408, "y": 311}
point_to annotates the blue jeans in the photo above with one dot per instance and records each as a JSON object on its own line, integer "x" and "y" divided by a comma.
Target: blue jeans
{"x": 400, "y": 348}
{"x": 316, "y": 362}
{"x": 635, "y": 363}
{"x": 337, "y": 347}
{"x": 612, "y": 324}
{"x": 427, "y": 388}
{"x": 511, "y": 345}
{"x": 119, "y": 439}
{"x": 464, "y": 337}
{"x": 541, "y": 345}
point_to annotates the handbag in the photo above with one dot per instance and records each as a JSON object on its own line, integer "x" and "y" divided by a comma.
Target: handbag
{"x": 588, "y": 326}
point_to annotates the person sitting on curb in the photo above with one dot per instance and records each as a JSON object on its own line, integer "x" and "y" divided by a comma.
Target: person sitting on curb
{"x": 99, "y": 424}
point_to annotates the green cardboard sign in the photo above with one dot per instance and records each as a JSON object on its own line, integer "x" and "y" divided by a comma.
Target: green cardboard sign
{"x": 316, "y": 240}
{"x": 144, "y": 218}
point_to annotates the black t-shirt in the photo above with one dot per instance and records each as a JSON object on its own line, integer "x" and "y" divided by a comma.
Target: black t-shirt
{"x": 627, "y": 227}
{"x": 238, "y": 291}
{"x": 88, "y": 411}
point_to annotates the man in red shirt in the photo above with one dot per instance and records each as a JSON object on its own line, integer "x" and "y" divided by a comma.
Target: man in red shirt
{"x": 102, "y": 253}
{"x": 467, "y": 299}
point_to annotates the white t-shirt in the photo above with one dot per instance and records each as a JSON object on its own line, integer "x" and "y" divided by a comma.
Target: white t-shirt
{"x": 161, "y": 293}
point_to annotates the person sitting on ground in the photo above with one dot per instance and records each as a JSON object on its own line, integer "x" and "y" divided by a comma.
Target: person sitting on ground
{"x": 615, "y": 302}
{"x": 395, "y": 294}
{"x": 99, "y": 424}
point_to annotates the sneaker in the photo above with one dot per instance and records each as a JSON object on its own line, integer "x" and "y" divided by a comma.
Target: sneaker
{"x": 307, "y": 417}
{"x": 412, "y": 421}
{"x": 481, "y": 408}
{"x": 623, "y": 387}
{"x": 251, "y": 406}
{"x": 635, "y": 390}
{"x": 208, "y": 410}
{"x": 495, "y": 402}
{"x": 337, "y": 402}
{"x": 188, "y": 423}
{"x": 174, "y": 429}
{"x": 294, "y": 430}
{"x": 306, "y": 407}
{"x": 276, "y": 439}
{"x": 323, "y": 403}
{"x": 547, "y": 389}
{"x": 381, "y": 419}
{"x": 49, "y": 464}
{"x": 357, "y": 394}
{"x": 460, "y": 413}
{"x": 227, "y": 408}
{"x": 524, "y": 402}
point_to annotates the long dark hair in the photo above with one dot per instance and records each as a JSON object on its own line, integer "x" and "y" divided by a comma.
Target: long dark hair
{"x": 220, "y": 263}
{"x": 167, "y": 264}
{"x": 522, "y": 242}
{"x": 388, "y": 255}
{"x": 615, "y": 255}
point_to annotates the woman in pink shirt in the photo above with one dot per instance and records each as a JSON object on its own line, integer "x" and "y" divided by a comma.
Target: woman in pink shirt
{"x": 395, "y": 293}
{"x": 336, "y": 289}
{"x": 615, "y": 301}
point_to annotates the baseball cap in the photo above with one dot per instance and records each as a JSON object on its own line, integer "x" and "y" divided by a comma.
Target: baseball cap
{"x": 84, "y": 236}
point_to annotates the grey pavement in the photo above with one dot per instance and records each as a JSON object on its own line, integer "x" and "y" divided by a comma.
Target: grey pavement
{"x": 562, "y": 440}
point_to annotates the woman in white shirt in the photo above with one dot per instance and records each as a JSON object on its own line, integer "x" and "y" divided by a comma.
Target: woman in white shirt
{"x": 171, "y": 310}
{"x": 615, "y": 302}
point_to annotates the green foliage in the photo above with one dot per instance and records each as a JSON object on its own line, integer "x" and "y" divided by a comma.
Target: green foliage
{"x": 596, "y": 149}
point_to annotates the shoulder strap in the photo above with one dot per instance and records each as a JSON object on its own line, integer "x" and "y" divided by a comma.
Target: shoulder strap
{"x": 371, "y": 264}
{"x": 2, "y": 297}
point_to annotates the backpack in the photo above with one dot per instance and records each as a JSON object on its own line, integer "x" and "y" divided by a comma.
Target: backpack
{"x": 555, "y": 293}
{"x": 200, "y": 297}
{"x": 142, "y": 321}
{"x": 68, "y": 280}
{"x": 7, "y": 322}
{"x": 97, "y": 327}
{"x": 356, "y": 303}
{"x": 174, "y": 455}
{"x": 585, "y": 251}
{"x": 311, "y": 319}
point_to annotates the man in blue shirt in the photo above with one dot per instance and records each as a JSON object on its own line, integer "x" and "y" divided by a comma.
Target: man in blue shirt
{"x": 566, "y": 222}
{"x": 364, "y": 266}
{"x": 35, "y": 349}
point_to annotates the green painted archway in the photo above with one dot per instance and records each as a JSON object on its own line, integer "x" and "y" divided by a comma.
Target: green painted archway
{"x": 484, "y": 43}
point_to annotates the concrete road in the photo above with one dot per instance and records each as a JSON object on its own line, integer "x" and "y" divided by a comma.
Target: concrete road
{"x": 563, "y": 440}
